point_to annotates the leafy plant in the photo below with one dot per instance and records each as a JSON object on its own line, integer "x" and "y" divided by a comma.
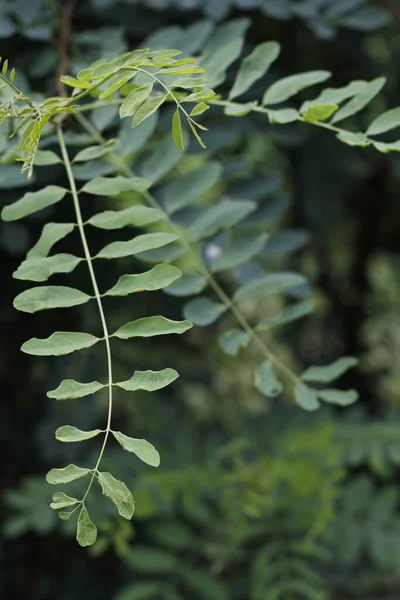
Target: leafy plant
{"x": 223, "y": 238}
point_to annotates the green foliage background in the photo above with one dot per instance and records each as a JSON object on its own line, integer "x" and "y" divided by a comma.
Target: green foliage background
{"x": 254, "y": 499}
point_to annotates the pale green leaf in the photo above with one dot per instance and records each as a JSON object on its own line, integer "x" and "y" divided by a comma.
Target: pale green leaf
{"x": 306, "y": 398}
{"x": 149, "y": 381}
{"x": 94, "y": 152}
{"x": 385, "y": 148}
{"x": 199, "y": 109}
{"x": 115, "y": 83}
{"x": 233, "y": 340}
{"x": 68, "y": 433}
{"x": 41, "y": 268}
{"x": 140, "y": 243}
{"x": 196, "y": 134}
{"x": 177, "y": 132}
{"x": 33, "y": 202}
{"x": 254, "y": 67}
{"x": 273, "y": 283}
{"x": 46, "y": 157}
{"x": 49, "y": 296}
{"x": 339, "y": 397}
{"x": 331, "y": 96}
{"x": 70, "y": 389}
{"x": 222, "y": 216}
{"x": 86, "y": 534}
{"x": 143, "y": 449}
{"x": 239, "y": 110}
{"x": 75, "y": 83}
{"x": 182, "y": 70}
{"x": 150, "y": 326}
{"x": 190, "y": 82}
{"x": 157, "y": 278}
{"x": 137, "y": 216}
{"x": 385, "y": 122}
{"x": 287, "y": 315}
{"x": 61, "y": 500}
{"x": 284, "y": 116}
{"x": 266, "y": 381}
{"x": 147, "y": 109}
{"x": 203, "y": 311}
{"x": 118, "y": 493}
{"x": 330, "y": 372}
{"x": 134, "y": 99}
{"x": 353, "y": 139}
{"x": 193, "y": 185}
{"x": 51, "y": 234}
{"x": 187, "y": 285}
{"x": 360, "y": 100}
{"x": 201, "y": 95}
{"x": 66, "y": 474}
{"x": 111, "y": 186}
{"x": 59, "y": 343}
{"x": 241, "y": 249}
{"x": 313, "y": 114}
{"x": 287, "y": 87}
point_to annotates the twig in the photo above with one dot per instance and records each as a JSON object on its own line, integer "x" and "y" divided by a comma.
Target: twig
{"x": 63, "y": 46}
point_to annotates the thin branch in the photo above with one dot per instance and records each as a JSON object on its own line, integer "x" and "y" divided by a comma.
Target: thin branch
{"x": 64, "y": 42}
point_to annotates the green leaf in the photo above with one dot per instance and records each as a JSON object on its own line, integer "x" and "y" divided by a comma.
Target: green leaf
{"x": 51, "y": 234}
{"x": 241, "y": 249}
{"x": 203, "y": 311}
{"x": 111, "y": 186}
{"x": 353, "y": 139}
{"x": 306, "y": 398}
{"x": 46, "y": 157}
{"x": 65, "y": 515}
{"x": 68, "y": 433}
{"x": 41, "y": 268}
{"x": 233, "y": 340}
{"x": 61, "y": 500}
{"x": 149, "y": 381}
{"x": 287, "y": 315}
{"x": 86, "y": 534}
{"x": 329, "y": 372}
{"x": 340, "y": 397}
{"x": 137, "y": 216}
{"x": 287, "y": 87}
{"x": 66, "y": 474}
{"x": 49, "y": 296}
{"x": 273, "y": 283}
{"x": 313, "y": 114}
{"x": 193, "y": 185}
{"x": 134, "y": 99}
{"x": 118, "y": 493}
{"x": 70, "y": 389}
{"x": 199, "y": 109}
{"x": 222, "y": 216}
{"x": 254, "y": 67}
{"x": 187, "y": 285}
{"x": 140, "y": 243}
{"x": 331, "y": 96}
{"x": 143, "y": 449}
{"x": 59, "y": 343}
{"x": 201, "y": 95}
{"x": 177, "y": 132}
{"x": 239, "y": 110}
{"x": 364, "y": 97}
{"x": 115, "y": 83}
{"x": 32, "y": 202}
{"x": 183, "y": 70}
{"x": 284, "y": 116}
{"x": 150, "y": 326}
{"x": 266, "y": 381}
{"x": 75, "y": 83}
{"x": 157, "y": 278}
{"x": 147, "y": 109}
{"x": 385, "y": 122}
{"x": 190, "y": 82}
{"x": 94, "y": 152}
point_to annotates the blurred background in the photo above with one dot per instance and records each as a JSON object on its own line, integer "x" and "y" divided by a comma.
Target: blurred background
{"x": 254, "y": 499}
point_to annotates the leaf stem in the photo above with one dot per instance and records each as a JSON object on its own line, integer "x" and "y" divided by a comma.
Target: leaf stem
{"x": 68, "y": 168}
{"x": 120, "y": 163}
